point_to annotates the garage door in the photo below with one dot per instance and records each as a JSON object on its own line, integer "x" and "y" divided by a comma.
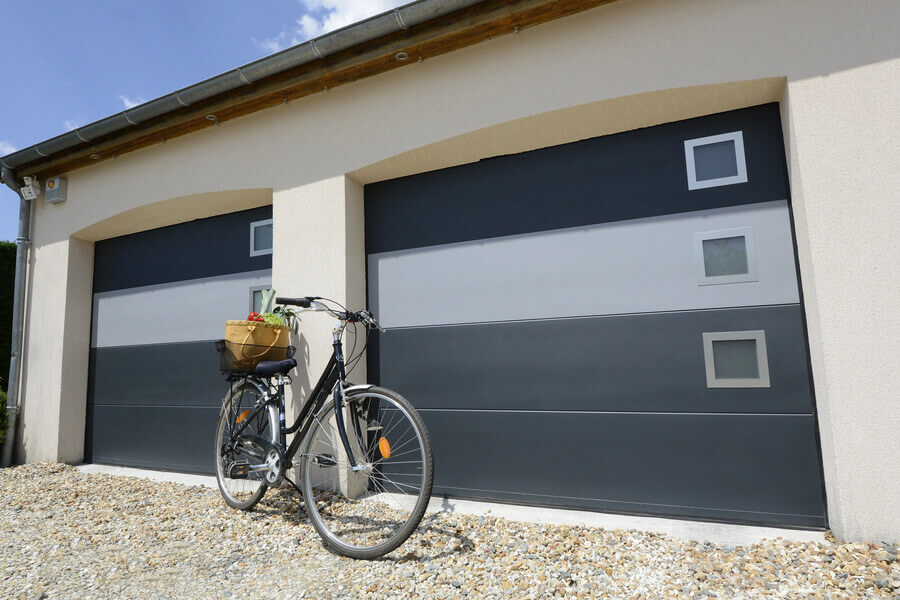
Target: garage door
{"x": 612, "y": 324}
{"x": 160, "y": 298}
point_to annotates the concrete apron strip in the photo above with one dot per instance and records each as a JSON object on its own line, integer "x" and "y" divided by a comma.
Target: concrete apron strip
{"x": 716, "y": 533}
{"x": 160, "y": 476}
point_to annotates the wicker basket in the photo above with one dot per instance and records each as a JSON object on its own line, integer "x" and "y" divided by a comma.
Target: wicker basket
{"x": 251, "y": 342}
{"x": 257, "y": 333}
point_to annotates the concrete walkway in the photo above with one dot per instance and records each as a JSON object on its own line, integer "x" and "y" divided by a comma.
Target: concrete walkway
{"x": 717, "y": 533}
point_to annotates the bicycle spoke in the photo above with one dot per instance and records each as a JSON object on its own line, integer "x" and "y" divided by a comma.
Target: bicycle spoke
{"x": 365, "y": 508}
{"x": 245, "y": 490}
{"x": 397, "y": 484}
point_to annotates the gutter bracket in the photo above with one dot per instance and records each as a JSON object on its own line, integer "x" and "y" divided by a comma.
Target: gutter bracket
{"x": 399, "y": 17}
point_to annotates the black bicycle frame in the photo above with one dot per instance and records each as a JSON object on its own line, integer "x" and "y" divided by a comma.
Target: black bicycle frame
{"x": 333, "y": 373}
{"x": 332, "y": 378}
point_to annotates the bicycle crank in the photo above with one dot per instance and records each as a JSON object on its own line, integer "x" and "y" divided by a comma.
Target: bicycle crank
{"x": 274, "y": 467}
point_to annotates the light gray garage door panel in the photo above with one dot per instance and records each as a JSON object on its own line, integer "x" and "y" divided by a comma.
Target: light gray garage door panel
{"x": 634, "y": 266}
{"x": 181, "y": 311}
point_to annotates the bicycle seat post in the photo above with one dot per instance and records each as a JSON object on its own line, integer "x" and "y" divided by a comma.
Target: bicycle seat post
{"x": 281, "y": 410}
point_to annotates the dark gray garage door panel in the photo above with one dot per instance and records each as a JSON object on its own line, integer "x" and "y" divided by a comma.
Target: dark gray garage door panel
{"x": 156, "y": 374}
{"x": 201, "y": 248}
{"x": 756, "y": 468}
{"x": 137, "y": 392}
{"x": 173, "y": 437}
{"x": 612, "y": 178}
{"x": 631, "y": 362}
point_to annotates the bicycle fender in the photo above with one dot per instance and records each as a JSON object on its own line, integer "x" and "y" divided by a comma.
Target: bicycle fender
{"x": 358, "y": 388}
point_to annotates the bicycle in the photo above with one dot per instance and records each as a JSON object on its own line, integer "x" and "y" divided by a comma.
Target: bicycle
{"x": 365, "y": 487}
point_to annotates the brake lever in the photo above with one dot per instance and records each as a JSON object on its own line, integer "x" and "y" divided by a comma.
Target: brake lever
{"x": 370, "y": 320}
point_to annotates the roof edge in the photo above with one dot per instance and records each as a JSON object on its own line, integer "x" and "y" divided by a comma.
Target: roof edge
{"x": 406, "y": 35}
{"x": 398, "y": 19}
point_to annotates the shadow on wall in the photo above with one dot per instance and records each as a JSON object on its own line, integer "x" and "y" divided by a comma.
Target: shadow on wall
{"x": 301, "y": 386}
{"x": 175, "y": 210}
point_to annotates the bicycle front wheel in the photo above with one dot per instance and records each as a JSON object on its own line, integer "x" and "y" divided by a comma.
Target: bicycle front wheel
{"x": 367, "y": 511}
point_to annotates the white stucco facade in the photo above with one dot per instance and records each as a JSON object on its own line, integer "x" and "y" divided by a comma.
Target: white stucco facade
{"x": 832, "y": 65}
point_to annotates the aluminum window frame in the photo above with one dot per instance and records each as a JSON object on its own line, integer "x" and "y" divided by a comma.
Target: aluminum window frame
{"x": 762, "y": 359}
{"x": 752, "y": 274}
{"x": 253, "y": 290}
{"x": 736, "y": 137}
{"x": 253, "y": 226}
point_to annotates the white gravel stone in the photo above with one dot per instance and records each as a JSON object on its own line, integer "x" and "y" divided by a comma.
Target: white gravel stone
{"x": 69, "y": 534}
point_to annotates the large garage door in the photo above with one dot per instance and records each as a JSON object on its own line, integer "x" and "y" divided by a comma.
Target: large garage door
{"x": 613, "y": 323}
{"x": 160, "y": 298}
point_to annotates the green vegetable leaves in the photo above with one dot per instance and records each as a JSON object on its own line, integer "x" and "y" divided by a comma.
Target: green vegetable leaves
{"x": 273, "y": 319}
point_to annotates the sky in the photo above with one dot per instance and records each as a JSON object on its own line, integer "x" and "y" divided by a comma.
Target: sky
{"x": 75, "y": 62}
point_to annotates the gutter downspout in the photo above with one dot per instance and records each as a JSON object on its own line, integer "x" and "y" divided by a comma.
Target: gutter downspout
{"x": 18, "y": 313}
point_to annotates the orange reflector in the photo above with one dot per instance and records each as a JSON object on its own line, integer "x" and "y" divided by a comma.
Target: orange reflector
{"x": 242, "y": 416}
{"x": 384, "y": 447}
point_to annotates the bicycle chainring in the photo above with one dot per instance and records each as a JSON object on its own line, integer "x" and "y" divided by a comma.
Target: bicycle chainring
{"x": 275, "y": 462}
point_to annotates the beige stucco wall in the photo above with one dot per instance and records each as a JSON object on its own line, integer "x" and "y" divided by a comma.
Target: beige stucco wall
{"x": 833, "y": 65}
{"x": 841, "y": 135}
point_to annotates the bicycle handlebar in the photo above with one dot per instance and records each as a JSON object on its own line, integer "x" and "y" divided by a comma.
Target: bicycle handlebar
{"x": 303, "y": 302}
{"x": 309, "y": 302}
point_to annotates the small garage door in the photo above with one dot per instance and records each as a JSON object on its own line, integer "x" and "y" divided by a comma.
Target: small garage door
{"x": 160, "y": 298}
{"x": 613, "y": 323}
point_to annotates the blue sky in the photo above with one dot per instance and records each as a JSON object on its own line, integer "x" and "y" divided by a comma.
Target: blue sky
{"x": 76, "y": 62}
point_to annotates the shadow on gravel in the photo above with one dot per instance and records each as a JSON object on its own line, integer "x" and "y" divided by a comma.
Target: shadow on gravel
{"x": 434, "y": 539}
{"x": 437, "y": 536}
{"x": 284, "y": 503}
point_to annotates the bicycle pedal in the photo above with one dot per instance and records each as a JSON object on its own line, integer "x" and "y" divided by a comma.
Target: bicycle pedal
{"x": 239, "y": 470}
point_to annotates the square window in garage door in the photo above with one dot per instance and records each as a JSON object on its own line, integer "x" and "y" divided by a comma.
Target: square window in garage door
{"x": 261, "y": 237}
{"x": 715, "y": 160}
{"x": 736, "y": 359}
{"x": 725, "y": 256}
{"x": 256, "y": 300}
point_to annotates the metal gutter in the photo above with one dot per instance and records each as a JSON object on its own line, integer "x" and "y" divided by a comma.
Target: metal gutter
{"x": 18, "y": 314}
{"x": 398, "y": 19}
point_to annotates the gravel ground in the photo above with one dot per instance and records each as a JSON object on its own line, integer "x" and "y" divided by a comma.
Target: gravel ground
{"x": 68, "y": 534}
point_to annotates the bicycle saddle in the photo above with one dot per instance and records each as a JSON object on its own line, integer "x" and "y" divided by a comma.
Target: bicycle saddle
{"x": 270, "y": 368}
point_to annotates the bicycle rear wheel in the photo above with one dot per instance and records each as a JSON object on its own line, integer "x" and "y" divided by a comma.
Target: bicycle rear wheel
{"x": 368, "y": 512}
{"x": 243, "y": 436}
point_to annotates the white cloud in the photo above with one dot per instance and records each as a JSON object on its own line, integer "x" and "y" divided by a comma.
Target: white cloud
{"x": 322, "y": 16}
{"x": 279, "y": 42}
{"x": 6, "y": 148}
{"x": 131, "y": 103}
{"x": 308, "y": 27}
{"x": 72, "y": 124}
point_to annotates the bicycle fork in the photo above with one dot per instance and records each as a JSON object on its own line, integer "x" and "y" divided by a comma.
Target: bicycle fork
{"x": 338, "y": 399}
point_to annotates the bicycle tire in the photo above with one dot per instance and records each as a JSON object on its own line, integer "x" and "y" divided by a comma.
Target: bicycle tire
{"x": 253, "y": 499}
{"x": 399, "y": 537}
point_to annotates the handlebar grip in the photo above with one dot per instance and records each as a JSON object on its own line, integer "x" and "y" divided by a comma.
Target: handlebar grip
{"x": 301, "y": 302}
